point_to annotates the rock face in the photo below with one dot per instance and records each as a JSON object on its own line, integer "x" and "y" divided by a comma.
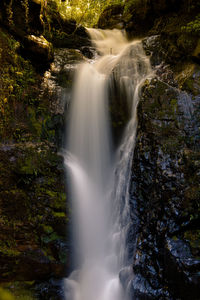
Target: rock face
{"x": 143, "y": 17}
{"x": 139, "y": 16}
{"x": 32, "y": 194}
{"x": 165, "y": 184}
{"x": 34, "y": 241}
{"x": 165, "y": 180}
{"x": 35, "y": 218}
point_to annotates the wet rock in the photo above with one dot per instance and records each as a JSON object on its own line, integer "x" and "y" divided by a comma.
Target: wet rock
{"x": 166, "y": 264}
{"x": 57, "y": 88}
{"x": 141, "y": 289}
{"x": 177, "y": 256}
{"x": 125, "y": 276}
{"x": 154, "y": 49}
{"x": 88, "y": 52}
{"x": 120, "y": 97}
{"x": 49, "y": 290}
{"x": 58, "y": 79}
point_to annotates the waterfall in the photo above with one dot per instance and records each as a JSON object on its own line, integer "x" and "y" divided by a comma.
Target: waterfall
{"x": 99, "y": 174}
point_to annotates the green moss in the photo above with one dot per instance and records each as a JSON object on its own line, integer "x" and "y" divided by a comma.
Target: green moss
{"x": 193, "y": 236}
{"x": 192, "y": 27}
{"x": 59, "y": 214}
{"x": 47, "y": 229}
{"x": 59, "y": 202}
{"x": 8, "y": 248}
{"x": 50, "y": 238}
{"x": 174, "y": 103}
{"x": 34, "y": 122}
{"x": 18, "y": 86}
{"x": 22, "y": 113}
{"x": 192, "y": 85}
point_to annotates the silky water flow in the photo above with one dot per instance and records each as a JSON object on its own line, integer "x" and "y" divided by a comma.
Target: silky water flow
{"x": 99, "y": 175}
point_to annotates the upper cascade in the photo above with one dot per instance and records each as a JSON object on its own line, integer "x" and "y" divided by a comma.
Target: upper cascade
{"x": 108, "y": 41}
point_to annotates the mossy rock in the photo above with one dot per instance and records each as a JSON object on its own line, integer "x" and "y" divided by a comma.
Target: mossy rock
{"x": 38, "y": 46}
{"x": 33, "y": 213}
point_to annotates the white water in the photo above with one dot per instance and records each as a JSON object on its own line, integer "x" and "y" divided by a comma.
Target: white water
{"x": 100, "y": 177}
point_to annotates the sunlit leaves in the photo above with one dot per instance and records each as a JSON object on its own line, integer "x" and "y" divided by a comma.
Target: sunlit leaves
{"x": 85, "y": 12}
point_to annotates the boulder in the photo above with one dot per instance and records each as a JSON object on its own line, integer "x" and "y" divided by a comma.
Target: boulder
{"x": 38, "y": 48}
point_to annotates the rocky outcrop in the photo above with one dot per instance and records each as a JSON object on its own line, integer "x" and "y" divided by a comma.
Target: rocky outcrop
{"x": 165, "y": 188}
{"x": 38, "y": 49}
{"x": 34, "y": 243}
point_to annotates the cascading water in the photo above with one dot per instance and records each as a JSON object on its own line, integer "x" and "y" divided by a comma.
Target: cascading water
{"x": 100, "y": 176}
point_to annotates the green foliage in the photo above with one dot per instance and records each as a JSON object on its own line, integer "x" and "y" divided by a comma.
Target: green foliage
{"x": 18, "y": 85}
{"x": 192, "y": 27}
{"x": 7, "y": 248}
{"x": 85, "y": 12}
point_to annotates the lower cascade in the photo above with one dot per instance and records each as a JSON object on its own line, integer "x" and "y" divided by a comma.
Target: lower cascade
{"x": 99, "y": 173}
